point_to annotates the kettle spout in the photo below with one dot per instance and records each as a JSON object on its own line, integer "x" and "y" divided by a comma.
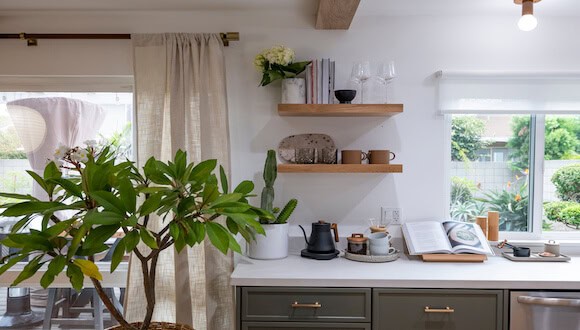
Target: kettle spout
{"x": 304, "y": 232}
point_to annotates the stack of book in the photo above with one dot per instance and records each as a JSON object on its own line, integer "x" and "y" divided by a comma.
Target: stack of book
{"x": 320, "y": 82}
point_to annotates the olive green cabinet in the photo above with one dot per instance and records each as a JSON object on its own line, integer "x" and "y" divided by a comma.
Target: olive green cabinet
{"x": 437, "y": 309}
{"x": 294, "y": 308}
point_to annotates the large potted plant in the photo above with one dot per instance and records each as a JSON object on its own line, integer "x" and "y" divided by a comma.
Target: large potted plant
{"x": 274, "y": 245}
{"x": 106, "y": 196}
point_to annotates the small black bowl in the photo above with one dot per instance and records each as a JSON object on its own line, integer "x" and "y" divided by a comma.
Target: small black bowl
{"x": 345, "y": 95}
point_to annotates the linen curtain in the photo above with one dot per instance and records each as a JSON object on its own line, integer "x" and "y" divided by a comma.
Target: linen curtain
{"x": 180, "y": 92}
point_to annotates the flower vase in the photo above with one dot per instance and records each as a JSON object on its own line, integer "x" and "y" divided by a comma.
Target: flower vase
{"x": 293, "y": 91}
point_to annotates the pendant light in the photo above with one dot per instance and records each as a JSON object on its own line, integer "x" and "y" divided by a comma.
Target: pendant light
{"x": 527, "y": 22}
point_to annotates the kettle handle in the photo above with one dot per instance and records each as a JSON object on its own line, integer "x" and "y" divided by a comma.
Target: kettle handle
{"x": 304, "y": 232}
{"x": 334, "y": 228}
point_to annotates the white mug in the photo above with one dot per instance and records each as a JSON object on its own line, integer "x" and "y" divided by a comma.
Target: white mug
{"x": 380, "y": 244}
{"x": 552, "y": 247}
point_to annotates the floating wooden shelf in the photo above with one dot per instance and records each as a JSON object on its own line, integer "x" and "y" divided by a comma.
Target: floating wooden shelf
{"x": 339, "y": 110}
{"x": 340, "y": 168}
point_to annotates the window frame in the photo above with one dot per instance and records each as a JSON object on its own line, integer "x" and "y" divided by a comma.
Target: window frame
{"x": 536, "y": 184}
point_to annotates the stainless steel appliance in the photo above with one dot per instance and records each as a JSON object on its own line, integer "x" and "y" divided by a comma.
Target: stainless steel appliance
{"x": 544, "y": 310}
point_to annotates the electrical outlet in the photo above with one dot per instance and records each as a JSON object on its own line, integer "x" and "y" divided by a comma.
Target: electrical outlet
{"x": 391, "y": 215}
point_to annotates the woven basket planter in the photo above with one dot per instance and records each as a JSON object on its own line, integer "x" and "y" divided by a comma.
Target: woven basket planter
{"x": 156, "y": 326}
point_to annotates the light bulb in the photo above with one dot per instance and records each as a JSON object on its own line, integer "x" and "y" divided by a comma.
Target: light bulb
{"x": 527, "y": 22}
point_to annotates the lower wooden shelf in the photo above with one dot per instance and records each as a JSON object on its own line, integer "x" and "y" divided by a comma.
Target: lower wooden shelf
{"x": 340, "y": 168}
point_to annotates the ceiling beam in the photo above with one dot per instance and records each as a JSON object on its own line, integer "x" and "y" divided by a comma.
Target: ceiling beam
{"x": 335, "y": 14}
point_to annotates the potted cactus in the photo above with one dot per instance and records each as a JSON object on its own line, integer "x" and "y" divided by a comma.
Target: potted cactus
{"x": 274, "y": 245}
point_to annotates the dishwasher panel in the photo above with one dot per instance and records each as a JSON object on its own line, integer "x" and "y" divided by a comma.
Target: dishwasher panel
{"x": 544, "y": 310}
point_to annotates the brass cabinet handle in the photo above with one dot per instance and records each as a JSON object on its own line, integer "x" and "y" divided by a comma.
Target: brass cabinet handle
{"x": 299, "y": 305}
{"x": 439, "y": 310}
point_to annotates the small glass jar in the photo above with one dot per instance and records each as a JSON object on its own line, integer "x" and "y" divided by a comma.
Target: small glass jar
{"x": 357, "y": 244}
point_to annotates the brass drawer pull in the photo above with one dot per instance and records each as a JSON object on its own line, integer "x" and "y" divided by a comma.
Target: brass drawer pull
{"x": 298, "y": 305}
{"x": 439, "y": 310}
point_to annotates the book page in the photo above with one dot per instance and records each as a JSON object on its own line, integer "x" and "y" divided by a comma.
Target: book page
{"x": 466, "y": 237}
{"x": 426, "y": 237}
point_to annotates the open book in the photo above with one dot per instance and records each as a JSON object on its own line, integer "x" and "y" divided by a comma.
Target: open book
{"x": 446, "y": 237}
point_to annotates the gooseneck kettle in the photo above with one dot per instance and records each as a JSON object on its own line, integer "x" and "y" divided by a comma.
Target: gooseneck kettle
{"x": 320, "y": 245}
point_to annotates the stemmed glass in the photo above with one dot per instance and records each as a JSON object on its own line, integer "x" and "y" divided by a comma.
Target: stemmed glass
{"x": 361, "y": 72}
{"x": 386, "y": 74}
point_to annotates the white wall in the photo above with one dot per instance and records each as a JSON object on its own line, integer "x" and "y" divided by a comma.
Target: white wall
{"x": 419, "y": 45}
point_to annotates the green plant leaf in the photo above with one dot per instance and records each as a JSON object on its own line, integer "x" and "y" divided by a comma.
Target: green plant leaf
{"x": 32, "y": 241}
{"x": 151, "y": 204}
{"x": 69, "y": 186}
{"x": 38, "y": 179}
{"x": 245, "y": 187}
{"x": 99, "y": 235}
{"x": 118, "y": 254}
{"x": 224, "y": 180}
{"x": 29, "y": 270}
{"x": 131, "y": 240}
{"x": 218, "y": 236}
{"x": 11, "y": 262}
{"x": 225, "y": 199}
{"x": 76, "y": 241}
{"x": 55, "y": 267}
{"x": 51, "y": 171}
{"x": 89, "y": 268}
{"x": 153, "y": 173}
{"x": 18, "y": 196}
{"x": 174, "y": 230}
{"x": 27, "y": 208}
{"x": 58, "y": 228}
{"x": 108, "y": 201}
{"x": 128, "y": 195}
{"x": 232, "y": 225}
{"x": 148, "y": 238}
{"x": 103, "y": 218}
{"x": 234, "y": 246}
{"x": 202, "y": 170}
{"x": 75, "y": 276}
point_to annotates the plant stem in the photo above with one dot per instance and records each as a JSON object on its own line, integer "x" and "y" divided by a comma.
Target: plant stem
{"x": 110, "y": 306}
{"x": 149, "y": 287}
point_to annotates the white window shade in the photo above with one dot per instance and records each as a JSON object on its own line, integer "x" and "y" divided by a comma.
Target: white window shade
{"x": 496, "y": 93}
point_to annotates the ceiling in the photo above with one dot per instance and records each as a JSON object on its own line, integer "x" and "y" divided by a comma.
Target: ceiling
{"x": 366, "y": 8}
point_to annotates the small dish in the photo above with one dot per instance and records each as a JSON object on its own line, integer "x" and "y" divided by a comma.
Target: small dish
{"x": 546, "y": 254}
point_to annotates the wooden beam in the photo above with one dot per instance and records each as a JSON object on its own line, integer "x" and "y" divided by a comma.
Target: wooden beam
{"x": 335, "y": 14}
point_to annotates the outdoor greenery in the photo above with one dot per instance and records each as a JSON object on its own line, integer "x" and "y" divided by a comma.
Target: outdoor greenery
{"x": 14, "y": 182}
{"x": 512, "y": 205}
{"x": 567, "y": 182}
{"x": 571, "y": 215}
{"x": 10, "y": 147}
{"x": 106, "y": 196}
{"x": 466, "y": 137}
{"x": 562, "y": 139}
{"x": 553, "y": 210}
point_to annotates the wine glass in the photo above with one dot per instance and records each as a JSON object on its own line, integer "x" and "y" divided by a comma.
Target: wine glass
{"x": 361, "y": 72}
{"x": 386, "y": 74}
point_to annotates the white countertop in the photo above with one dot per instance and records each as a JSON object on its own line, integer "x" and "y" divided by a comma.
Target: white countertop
{"x": 495, "y": 273}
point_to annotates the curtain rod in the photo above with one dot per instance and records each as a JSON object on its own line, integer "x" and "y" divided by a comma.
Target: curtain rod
{"x": 32, "y": 38}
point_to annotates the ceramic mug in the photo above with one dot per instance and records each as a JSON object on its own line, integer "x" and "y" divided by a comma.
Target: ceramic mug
{"x": 353, "y": 156}
{"x": 380, "y": 244}
{"x": 380, "y": 156}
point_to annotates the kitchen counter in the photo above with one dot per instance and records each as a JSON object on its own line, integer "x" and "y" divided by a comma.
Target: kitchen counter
{"x": 408, "y": 272}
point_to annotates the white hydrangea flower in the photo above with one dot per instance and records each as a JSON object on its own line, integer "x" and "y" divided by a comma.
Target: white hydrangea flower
{"x": 278, "y": 55}
{"x": 60, "y": 152}
{"x": 81, "y": 155}
{"x": 91, "y": 143}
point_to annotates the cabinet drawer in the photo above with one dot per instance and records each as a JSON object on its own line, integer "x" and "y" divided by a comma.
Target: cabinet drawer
{"x": 427, "y": 309}
{"x": 306, "y": 304}
{"x": 304, "y": 326}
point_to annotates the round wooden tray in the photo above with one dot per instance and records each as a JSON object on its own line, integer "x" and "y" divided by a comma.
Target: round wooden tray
{"x": 364, "y": 258}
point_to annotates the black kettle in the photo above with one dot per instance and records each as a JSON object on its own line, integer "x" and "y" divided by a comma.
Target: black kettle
{"x": 321, "y": 243}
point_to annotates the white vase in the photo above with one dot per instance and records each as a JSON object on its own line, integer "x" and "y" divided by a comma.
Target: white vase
{"x": 293, "y": 91}
{"x": 272, "y": 246}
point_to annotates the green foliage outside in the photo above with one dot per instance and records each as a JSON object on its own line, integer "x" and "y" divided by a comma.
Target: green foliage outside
{"x": 466, "y": 132}
{"x": 571, "y": 215}
{"x": 562, "y": 139}
{"x": 186, "y": 199}
{"x": 553, "y": 210}
{"x": 512, "y": 205}
{"x": 14, "y": 182}
{"x": 10, "y": 146}
{"x": 567, "y": 182}
{"x": 462, "y": 189}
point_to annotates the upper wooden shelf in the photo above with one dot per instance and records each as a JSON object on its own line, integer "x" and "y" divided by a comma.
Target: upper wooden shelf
{"x": 340, "y": 168}
{"x": 339, "y": 110}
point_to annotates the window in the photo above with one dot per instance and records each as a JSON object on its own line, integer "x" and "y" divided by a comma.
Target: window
{"x": 15, "y": 143}
{"x": 514, "y": 152}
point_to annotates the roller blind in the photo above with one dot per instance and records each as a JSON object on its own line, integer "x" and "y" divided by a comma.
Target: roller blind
{"x": 496, "y": 93}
